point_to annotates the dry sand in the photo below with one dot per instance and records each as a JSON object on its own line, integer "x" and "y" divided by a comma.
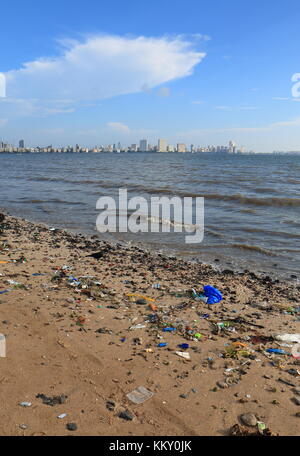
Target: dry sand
{"x": 53, "y": 346}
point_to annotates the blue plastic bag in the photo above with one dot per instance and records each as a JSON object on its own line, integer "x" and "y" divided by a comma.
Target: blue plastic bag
{"x": 213, "y": 294}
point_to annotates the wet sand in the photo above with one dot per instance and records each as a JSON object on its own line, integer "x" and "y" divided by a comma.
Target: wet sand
{"x": 69, "y": 320}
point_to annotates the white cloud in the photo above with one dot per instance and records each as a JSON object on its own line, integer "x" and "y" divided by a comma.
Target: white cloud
{"x": 197, "y": 102}
{"x": 285, "y": 99}
{"x": 237, "y": 108}
{"x": 104, "y": 66}
{"x": 3, "y": 122}
{"x": 118, "y": 127}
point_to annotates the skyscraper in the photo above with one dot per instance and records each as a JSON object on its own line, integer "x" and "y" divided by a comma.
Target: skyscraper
{"x": 232, "y": 147}
{"x": 162, "y": 145}
{"x": 181, "y": 147}
{"x": 21, "y": 144}
{"x": 143, "y": 145}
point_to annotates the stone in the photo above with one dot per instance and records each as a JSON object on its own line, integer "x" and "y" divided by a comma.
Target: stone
{"x": 71, "y": 426}
{"x": 126, "y": 415}
{"x": 249, "y": 419}
{"x": 222, "y": 385}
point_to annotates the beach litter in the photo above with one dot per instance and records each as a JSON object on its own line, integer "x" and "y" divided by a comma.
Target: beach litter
{"x": 139, "y": 395}
{"x": 288, "y": 338}
{"x": 184, "y": 355}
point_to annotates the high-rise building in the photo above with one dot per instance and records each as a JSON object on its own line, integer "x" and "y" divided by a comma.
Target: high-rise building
{"x": 181, "y": 147}
{"x": 162, "y": 145}
{"x": 21, "y": 144}
{"x": 143, "y": 145}
{"x": 232, "y": 147}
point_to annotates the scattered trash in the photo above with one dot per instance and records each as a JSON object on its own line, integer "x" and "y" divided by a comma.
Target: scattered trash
{"x": 139, "y": 395}
{"x": 184, "y": 346}
{"x": 288, "y": 338}
{"x": 5, "y": 291}
{"x": 84, "y": 294}
{"x": 139, "y": 326}
{"x": 54, "y": 400}
{"x": 278, "y": 351}
{"x": 213, "y": 294}
{"x": 184, "y": 355}
{"x": 133, "y": 295}
{"x": 23, "y": 426}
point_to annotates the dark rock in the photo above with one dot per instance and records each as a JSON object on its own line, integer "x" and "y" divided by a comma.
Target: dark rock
{"x": 141, "y": 302}
{"x": 52, "y": 400}
{"x": 71, "y": 426}
{"x": 126, "y": 415}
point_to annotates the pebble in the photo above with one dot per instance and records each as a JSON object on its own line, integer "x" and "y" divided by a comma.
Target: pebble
{"x": 71, "y": 426}
{"x": 126, "y": 415}
{"x": 249, "y": 419}
{"x": 222, "y": 385}
{"x": 111, "y": 405}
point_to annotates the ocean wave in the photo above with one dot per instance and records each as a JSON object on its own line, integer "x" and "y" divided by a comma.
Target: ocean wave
{"x": 49, "y": 201}
{"x": 254, "y": 248}
{"x": 272, "y": 201}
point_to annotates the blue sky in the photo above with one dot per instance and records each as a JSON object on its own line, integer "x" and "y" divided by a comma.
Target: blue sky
{"x": 201, "y": 72}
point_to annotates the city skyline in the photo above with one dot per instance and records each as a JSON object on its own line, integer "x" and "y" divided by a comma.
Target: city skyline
{"x": 144, "y": 146}
{"x": 148, "y": 70}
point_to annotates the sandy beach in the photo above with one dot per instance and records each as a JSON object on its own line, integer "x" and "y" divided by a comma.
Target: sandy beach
{"x": 84, "y": 332}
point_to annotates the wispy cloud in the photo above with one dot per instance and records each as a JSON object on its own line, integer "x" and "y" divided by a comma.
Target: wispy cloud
{"x": 285, "y": 99}
{"x": 237, "y": 108}
{"x": 118, "y": 127}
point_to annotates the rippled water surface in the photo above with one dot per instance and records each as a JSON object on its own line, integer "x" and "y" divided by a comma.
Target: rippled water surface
{"x": 252, "y": 203}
